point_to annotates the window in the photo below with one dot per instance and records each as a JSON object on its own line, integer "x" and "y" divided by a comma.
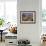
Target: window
{"x": 43, "y": 16}
{"x": 11, "y": 11}
{"x": 8, "y": 11}
{"x": 1, "y": 9}
{"x": 44, "y": 12}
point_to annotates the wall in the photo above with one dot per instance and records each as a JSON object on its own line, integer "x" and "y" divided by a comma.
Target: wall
{"x": 30, "y": 31}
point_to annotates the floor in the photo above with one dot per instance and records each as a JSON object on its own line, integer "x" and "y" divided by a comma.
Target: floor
{"x": 2, "y": 43}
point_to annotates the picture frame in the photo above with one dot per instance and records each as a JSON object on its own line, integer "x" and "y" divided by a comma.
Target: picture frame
{"x": 27, "y": 17}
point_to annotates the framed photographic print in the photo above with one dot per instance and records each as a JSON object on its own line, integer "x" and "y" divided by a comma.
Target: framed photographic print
{"x": 27, "y": 17}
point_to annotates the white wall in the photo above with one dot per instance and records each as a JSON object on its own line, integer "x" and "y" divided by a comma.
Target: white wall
{"x": 30, "y": 31}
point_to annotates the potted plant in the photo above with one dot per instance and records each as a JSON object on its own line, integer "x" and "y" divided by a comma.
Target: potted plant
{"x": 1, "y": 22}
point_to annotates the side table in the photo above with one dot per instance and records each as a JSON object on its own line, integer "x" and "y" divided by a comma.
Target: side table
{"x": 10, "y": 39}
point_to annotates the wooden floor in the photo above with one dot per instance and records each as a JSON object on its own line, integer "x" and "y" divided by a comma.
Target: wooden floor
{"x": 43, "y": 44}
{"x": 2, "y": 43}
